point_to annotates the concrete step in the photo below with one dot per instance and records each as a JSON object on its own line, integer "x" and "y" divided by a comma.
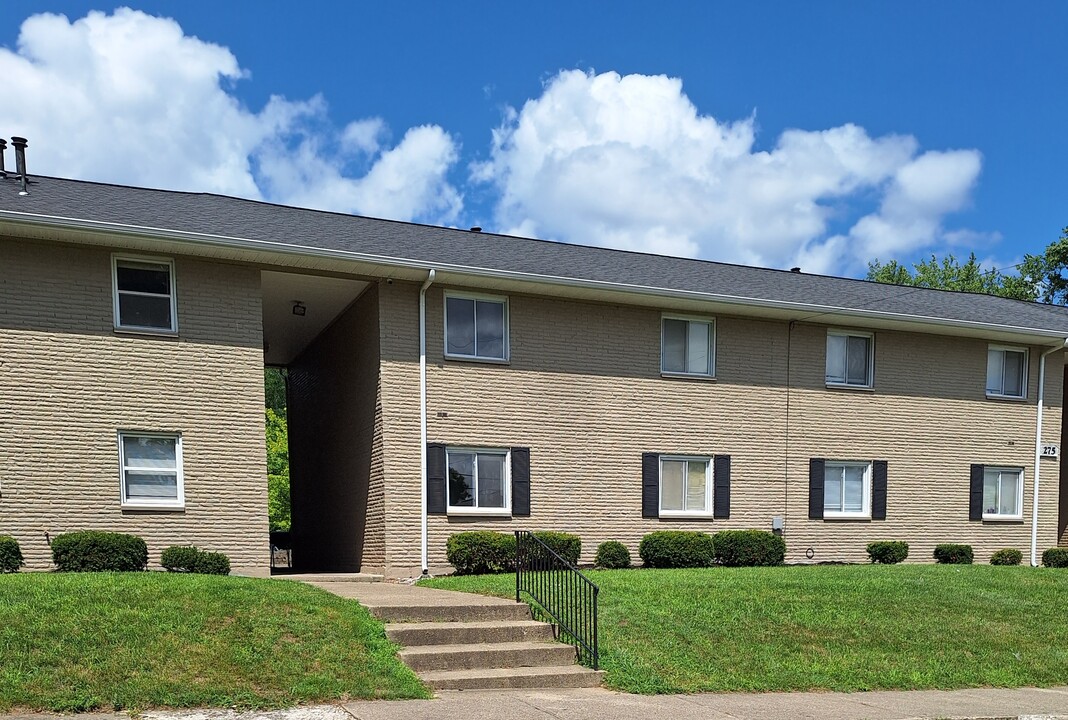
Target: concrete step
{"x": 487, "y": 655}
{"x": 459, "y": 633}
{"x": 561, "y": 676}
{"x": 444, "y": 612}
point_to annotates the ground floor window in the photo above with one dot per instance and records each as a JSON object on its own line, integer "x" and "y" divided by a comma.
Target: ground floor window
{"x": 685, "y": 488}
{"x": 151, "y": 469}
{"x": 1002, "y": 493}
{"x": 478, "y": 480}
{"x": 846, "y": 489}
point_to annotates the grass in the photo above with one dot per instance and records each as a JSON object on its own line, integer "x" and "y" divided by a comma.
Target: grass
{"x": 840, "y": 628}
{"x": 86, "y": 641}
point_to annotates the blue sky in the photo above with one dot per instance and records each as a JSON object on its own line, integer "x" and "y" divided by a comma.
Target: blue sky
{"x": 821, "y": 134}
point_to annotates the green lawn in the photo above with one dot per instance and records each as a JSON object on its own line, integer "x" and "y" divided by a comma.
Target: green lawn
{"x": 82, "y": 641}
{"x": 843, "y": 628}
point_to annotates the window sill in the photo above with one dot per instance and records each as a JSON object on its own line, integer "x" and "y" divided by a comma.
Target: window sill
{"x": 846, "y": 516}
{"x": 843, "y": 386}
{"x": 1006, "y": 398}
{"x": 480, "y": 512}
{"x": 675, "y": 515}
{"x": 1003, "y": 518}
{"x": 469, "y": 359}
{"x": 687, "y": 376}
{"x": 145, "y": 331}
{"x": 152, "y": 508}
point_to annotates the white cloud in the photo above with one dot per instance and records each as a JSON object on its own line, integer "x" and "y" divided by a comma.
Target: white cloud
{"x": 130, "y": 98}
{"x": 629, "y": 162}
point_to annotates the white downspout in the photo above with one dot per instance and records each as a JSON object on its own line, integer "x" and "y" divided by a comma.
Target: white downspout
{"x": 1038, "y": 448}
{"x": 422, "y": 413}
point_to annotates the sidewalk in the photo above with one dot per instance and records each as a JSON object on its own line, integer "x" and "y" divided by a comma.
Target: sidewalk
{"x": 986, "y": 704}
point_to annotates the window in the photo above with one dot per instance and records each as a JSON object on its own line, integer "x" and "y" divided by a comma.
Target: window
{"x": 687, "y": 346}
{"x": 478, "y": 481}
{"x": 476, "y": 327}
{"x": 849, "y": 359}
{"x": 1002, "y": 493}
{"x": 685, "y": 486}
{"x": 144, "y": 294}
{"x": 847, "y": 489}
{"x": 151, "y": 470}
{"x": 1006, "y": 372}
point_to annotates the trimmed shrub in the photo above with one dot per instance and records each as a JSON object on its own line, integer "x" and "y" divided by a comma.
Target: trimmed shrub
{"x": 481, "y": 552}
{"x": 677, "y": 549}
{"x": 953, "y": 554}
{"x": 186, "y": 558}
{"x": 612, "y": 555}
{"x": 1056, "y": 557}
{"x": 1008, "y": 556}
{"x": 748, "y": 548}
{"x": 98, "y": 551}
{"x": 566, "y": 545}
{"x": 888, "y": 552}
{"x": 10, "y": 555}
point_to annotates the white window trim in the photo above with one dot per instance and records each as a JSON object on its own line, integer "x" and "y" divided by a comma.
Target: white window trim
{"x": 1026, "y": 367}
{"x": 708, "y": 320}
{"x": 505, "y": 511}
{"x": 115, "y": 260}
{"x": 1019, "y": 494}
{"x": 871, "y": 359}
{"x": 865, "y": 513}
{"x": 178, "y": 503}
{"x": 483, "y": 297}
{"x": 707, "y": 513}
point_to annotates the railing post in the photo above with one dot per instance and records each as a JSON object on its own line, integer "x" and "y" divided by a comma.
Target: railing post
{"x": 596, "y": 647}
{"x": 517, "y": 566}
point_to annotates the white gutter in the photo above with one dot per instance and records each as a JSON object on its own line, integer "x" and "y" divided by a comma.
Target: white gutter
{"x": 1038, "y": 447}
{"x": 495, "y": 273}
{"x": 422, "y": 413}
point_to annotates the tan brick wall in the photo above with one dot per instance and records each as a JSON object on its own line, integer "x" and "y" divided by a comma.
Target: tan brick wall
{"x": 68, "y": 383}
{"x": 334, "y": 446}
{"x": 584, "y": 392}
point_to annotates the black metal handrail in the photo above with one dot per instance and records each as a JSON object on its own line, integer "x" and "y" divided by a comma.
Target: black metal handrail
{"x": 560, "y": 592}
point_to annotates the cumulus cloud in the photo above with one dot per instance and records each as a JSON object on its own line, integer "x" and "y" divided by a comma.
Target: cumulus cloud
{"x": 629, "y": 162}
{"x": 130, "y": 98}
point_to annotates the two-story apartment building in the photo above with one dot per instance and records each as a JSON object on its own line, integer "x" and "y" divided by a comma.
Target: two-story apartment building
{"x": 443, "y": 380}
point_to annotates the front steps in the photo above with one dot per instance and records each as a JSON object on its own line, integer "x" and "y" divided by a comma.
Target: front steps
{"x": 482, "y": 646}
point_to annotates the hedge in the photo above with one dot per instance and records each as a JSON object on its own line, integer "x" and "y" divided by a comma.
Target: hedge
{"x": 97, "y": 551}
{"x": 481, "y": 552}
{"x": 186, "y": 558}
{"x": 1056, "y": 557}
{"x": 566, "y": 545}
{"x": 748, "y": 548}
{"x": 888, "y": 552}
{"x": 10, "y": 555}
{"x": 953, "y": 554}
{"x": 612, "y": 555}
{"x": 1008, "y": 556}
{"x": 677, "y": 549}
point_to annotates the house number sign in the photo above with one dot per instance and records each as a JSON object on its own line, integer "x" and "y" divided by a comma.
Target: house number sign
{"x": 1051, "y": 451}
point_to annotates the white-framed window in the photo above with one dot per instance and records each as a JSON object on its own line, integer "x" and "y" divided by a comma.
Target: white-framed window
{"x": 685, "y": 485}
{"x": 476, "y": 327}
{"x": 143, "y": 294}
{"x": 846, "y": 489}
{"x": 480, "y": 481}
{"x": 850, "y": 358}
{"x": 688, "y": 346}
{"x": 1003, "y": 493}
{"x": 1006, "y": 372}
{"x": 151, "y": 470}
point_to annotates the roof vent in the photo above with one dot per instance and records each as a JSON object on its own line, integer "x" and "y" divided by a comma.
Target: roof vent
{"x": 476, "y": 228}
{"x": 20, "y": 162}
{"x": 3, "y": 151}
{"x": 795, "y": 270}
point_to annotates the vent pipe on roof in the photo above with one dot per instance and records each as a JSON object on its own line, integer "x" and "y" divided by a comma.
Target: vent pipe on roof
{"x": 3, "y": 151}
{"x": 476, "y": 228}
{"x": 20, "y": 162}
{"x": 795, "y": 270}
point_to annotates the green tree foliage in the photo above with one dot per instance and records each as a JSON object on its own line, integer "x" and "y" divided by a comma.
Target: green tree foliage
{"x": 274, "y": 390}
{"x": 1047, "y": 271}
{"x": 950, "y": 274}
{"x": 278, "y": 503}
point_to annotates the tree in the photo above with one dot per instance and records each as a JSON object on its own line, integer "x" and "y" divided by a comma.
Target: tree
{"x": 950, "y": 274}
{"x": 279, "y": 511}
{"x": 1047, "y": 271}
{"x": 274, "y": 390}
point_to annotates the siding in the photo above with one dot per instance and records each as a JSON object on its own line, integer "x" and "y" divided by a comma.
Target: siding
{"x": 68, "y": 383}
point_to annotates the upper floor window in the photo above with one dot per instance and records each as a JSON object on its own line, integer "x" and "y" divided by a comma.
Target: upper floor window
{"x": 144, "y": 297}
{"x": 151, "y": 465}
{"x": 1006, "y": 372}
{"x": 476, "y": 327}
{"x": 850, "y": 360}
{"x": 687, "y": 346}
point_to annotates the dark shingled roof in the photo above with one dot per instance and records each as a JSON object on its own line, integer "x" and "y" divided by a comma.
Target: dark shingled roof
{"x": 252, "y": 220}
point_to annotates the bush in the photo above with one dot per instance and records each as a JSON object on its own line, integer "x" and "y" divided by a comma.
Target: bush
{"x": 612, "y": 555}
{"x": 748, "y": 548}
{"x": 1056, "y": 557}
{"x": 1008, "y": 556}
{"x": 10, "y": 555}
{"x": 96, "y": 551}
{"x": 888, "y": 552}
{"x": 677, "y": 549}
{"x": 566, "y": 545}
{"x": 186, "y": 558}
{"x": 952, "y": 554}
{"x": 481, "y": 552}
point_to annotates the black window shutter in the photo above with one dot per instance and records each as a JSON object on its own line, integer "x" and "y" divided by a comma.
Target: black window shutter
{"x": 815, "y": 488}
{"x": 721, "y": 486}
{"x": 878, "y": 490}
{"x": 521, "y": 482}
{"x": 650, "y": 485}
{"x": 437, "y": 501}
{"x": 975, "y": 508}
